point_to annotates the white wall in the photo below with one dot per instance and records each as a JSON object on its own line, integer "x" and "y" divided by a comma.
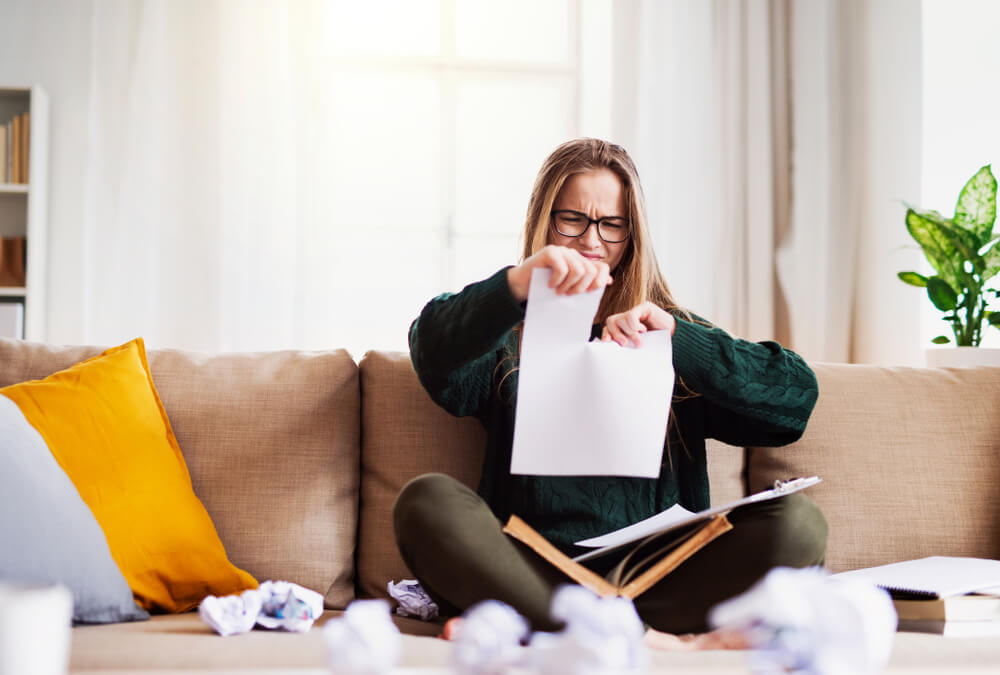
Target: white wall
{"x": 885, "y": 308}
{"x": 48, "y": 43}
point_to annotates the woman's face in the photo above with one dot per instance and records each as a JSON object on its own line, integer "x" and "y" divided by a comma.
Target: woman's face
{"x": 598, "y": 194}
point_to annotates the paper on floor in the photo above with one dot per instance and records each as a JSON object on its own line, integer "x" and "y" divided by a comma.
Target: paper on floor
{"x": 587, "y": 408}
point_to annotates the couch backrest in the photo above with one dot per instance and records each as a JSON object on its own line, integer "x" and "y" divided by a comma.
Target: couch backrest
{"x": 272, "y": 443}
{"x": 405, "y": 434}
{"x": 910, "y": 461}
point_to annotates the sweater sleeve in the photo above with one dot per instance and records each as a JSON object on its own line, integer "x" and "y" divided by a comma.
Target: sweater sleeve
{"x": 454, "y": 342}
{"x": 753, "y": 393}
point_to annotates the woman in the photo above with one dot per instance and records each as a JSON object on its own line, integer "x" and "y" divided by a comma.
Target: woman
{"x": 586, "y": 222}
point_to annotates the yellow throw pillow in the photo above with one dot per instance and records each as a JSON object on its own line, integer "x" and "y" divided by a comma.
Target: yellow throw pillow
{"x": 106, "y": 427}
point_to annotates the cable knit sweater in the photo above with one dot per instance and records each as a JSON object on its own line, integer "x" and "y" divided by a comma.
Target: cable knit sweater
{"x": 464, "y": 349}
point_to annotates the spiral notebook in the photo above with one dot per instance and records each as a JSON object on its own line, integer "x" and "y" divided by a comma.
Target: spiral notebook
{"x": 931, "y": 578}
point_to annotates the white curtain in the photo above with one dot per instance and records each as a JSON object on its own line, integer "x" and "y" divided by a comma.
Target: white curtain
{"x": 775, "y": 149}
{"x": 198, "y": 223}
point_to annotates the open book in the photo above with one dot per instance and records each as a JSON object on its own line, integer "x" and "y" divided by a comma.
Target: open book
{"x": 638, "y": 571}
{"x": 658, "y": 544}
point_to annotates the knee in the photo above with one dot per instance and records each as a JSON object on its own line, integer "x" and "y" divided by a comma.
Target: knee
{"x": 800, "y": 532}
{"x": 419, "y": 499}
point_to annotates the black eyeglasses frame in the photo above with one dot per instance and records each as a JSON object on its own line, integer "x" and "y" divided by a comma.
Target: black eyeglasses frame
{"x": 593, "y": 221}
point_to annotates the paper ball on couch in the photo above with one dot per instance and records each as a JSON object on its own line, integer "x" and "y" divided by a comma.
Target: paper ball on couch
{"x": 489, "y": 639}
{"x": 364, "y": 641}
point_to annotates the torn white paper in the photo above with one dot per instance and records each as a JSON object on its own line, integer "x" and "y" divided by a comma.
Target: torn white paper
{"x": 587, "y": 408}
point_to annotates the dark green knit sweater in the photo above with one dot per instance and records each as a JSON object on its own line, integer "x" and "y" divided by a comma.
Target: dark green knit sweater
{"x": 462, "y": 345}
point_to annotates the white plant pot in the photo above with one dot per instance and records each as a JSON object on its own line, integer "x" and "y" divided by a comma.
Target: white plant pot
{"x": 961, "y": 357}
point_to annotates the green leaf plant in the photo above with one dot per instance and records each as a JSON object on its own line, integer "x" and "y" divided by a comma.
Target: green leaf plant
{"x": 965, "y": 257}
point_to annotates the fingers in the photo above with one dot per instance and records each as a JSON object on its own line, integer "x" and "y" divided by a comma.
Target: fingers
{"x": 624, "y": 328}
{"x": 572, "y": 273}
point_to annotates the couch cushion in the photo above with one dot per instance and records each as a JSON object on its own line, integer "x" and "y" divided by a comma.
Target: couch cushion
{"x": 272, "y": 444}
{"x": 726, "y": 465}
{"x": 404, "y": 434}
{"x": 908, "y": 458}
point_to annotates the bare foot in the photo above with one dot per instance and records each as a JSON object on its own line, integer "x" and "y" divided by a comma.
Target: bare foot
{"x": 451, "y": 627}
{"x": 716, "y": 639}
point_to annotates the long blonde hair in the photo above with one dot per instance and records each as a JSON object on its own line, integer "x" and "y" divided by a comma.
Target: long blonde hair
{"x": 637, "y": 277}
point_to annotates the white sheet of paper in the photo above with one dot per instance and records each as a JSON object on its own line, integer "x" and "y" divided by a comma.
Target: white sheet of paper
{"x": 587, "y": 408}
{"x": 946, "y": 576}
{"x": 661, "y": 521}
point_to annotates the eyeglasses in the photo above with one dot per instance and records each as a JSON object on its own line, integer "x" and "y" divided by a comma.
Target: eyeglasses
{"x": 611, "y": 229}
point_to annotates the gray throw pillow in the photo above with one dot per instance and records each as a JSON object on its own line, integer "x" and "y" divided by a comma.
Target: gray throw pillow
{"x": 49, "y": 534}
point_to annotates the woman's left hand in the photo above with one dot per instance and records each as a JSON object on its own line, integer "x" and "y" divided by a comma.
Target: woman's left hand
{"x": 632, "y": 324}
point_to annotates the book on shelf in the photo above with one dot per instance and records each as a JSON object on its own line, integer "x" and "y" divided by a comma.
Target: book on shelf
{"x": 25, "y": 146}
{"x": 658, "y": 545}
{"x": 16, "y": 159}
{"x": 8, "y": 158}
{"x": 4, "y": 176}
{"x": 15, "y": 140}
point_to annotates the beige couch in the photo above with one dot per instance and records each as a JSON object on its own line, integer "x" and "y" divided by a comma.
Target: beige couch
{"x": 297, "y": 457}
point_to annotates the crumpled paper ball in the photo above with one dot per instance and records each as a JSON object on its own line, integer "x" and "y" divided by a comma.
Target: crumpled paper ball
{"x": 273, "y": 605}
{"x": 231, "y": 614}
{"x": 413, "y": 600}
{"x": 364, "y": 641}
{"x": 602, "y": 635}
{"x": 489, "y": 639}
{"x": 804, "y": 621}
{"x": 288, "y": 606}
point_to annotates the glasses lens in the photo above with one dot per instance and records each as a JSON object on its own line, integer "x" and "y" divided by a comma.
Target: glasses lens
{"x": 571, "y": 224}
{"x": 613, "y": 230}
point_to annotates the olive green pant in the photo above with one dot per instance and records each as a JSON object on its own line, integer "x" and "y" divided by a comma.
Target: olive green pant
{"x": 454, "y": 545}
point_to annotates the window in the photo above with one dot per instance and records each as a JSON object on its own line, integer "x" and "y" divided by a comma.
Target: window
{"x": 436, "y": 116}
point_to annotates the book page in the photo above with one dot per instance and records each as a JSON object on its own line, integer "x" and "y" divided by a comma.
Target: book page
{"x": 587, "y": 408}
{"x": 676, "y": 515}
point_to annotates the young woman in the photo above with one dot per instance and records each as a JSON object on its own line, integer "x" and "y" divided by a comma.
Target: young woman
{"x": 586, "y": 222}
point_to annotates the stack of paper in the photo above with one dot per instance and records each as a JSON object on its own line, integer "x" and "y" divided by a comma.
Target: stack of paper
{"x": 956, "y": 597}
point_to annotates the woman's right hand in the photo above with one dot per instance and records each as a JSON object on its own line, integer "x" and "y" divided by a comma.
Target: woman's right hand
{"x": 571, "y": 272}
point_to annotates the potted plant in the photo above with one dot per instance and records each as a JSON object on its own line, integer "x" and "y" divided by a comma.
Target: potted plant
{"x": 966, "y": 259}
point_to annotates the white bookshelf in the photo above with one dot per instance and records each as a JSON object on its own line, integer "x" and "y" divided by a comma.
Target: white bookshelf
{"x": 24, "y": 208}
